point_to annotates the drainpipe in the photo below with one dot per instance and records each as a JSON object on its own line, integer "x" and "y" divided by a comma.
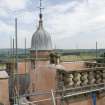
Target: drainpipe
{"x": 93, "y": 95}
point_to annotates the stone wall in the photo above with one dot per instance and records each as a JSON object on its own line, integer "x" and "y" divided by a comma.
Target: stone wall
{"x": 4, "y": 92}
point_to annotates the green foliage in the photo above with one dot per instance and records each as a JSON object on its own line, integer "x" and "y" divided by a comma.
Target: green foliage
{"x": 82, "y": 56}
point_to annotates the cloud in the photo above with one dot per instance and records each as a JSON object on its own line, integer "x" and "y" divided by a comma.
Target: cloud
{"x": 65, "y": 19}
{"x": 27, "y": 17}
{"x": 13, "y": 4}
{"x": 69, "y": 22}
{"x": 5, "y": 28}
{"x": 8, "y": 30}
{"x": 3, "y": 12}
{"x": 79, "y": 17}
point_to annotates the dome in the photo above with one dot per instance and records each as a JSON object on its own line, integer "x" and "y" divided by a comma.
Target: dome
{"x": 41, "y": 40}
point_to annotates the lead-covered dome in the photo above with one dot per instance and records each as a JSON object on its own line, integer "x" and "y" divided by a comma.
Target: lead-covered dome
{"x": 41, "y": 40}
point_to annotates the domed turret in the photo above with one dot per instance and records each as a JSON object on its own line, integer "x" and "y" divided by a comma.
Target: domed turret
{"x": 41, "y": 40}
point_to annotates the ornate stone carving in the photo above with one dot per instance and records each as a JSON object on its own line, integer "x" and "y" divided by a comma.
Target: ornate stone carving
{"x": 77, "y": 79}
{"x": 84, "y": 78}
{"x": 91, "y": 77}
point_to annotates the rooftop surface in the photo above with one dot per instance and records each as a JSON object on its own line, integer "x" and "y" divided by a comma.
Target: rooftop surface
{"x": 3, "y": 75}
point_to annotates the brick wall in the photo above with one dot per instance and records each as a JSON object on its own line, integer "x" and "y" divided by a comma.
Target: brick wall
{"x": 4, "y": 92}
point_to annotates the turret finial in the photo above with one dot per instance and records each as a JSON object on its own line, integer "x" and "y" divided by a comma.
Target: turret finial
{"x": 40, "y": 15}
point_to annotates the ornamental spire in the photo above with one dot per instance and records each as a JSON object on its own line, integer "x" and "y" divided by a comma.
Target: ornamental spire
{"x": 40, "y": 15}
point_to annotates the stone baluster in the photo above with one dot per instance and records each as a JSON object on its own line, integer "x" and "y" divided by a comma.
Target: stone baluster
{"x": 103, "y": 75}
{"x": 77, "y": 79}
{"x": 98, "y": 76}
{"x": 91, "y": 77}
{"x": 84, "y": 78}
{"x": 69, "y": 80}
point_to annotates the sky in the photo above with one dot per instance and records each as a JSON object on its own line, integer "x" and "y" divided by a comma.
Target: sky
{"x": 71, "y": 23}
